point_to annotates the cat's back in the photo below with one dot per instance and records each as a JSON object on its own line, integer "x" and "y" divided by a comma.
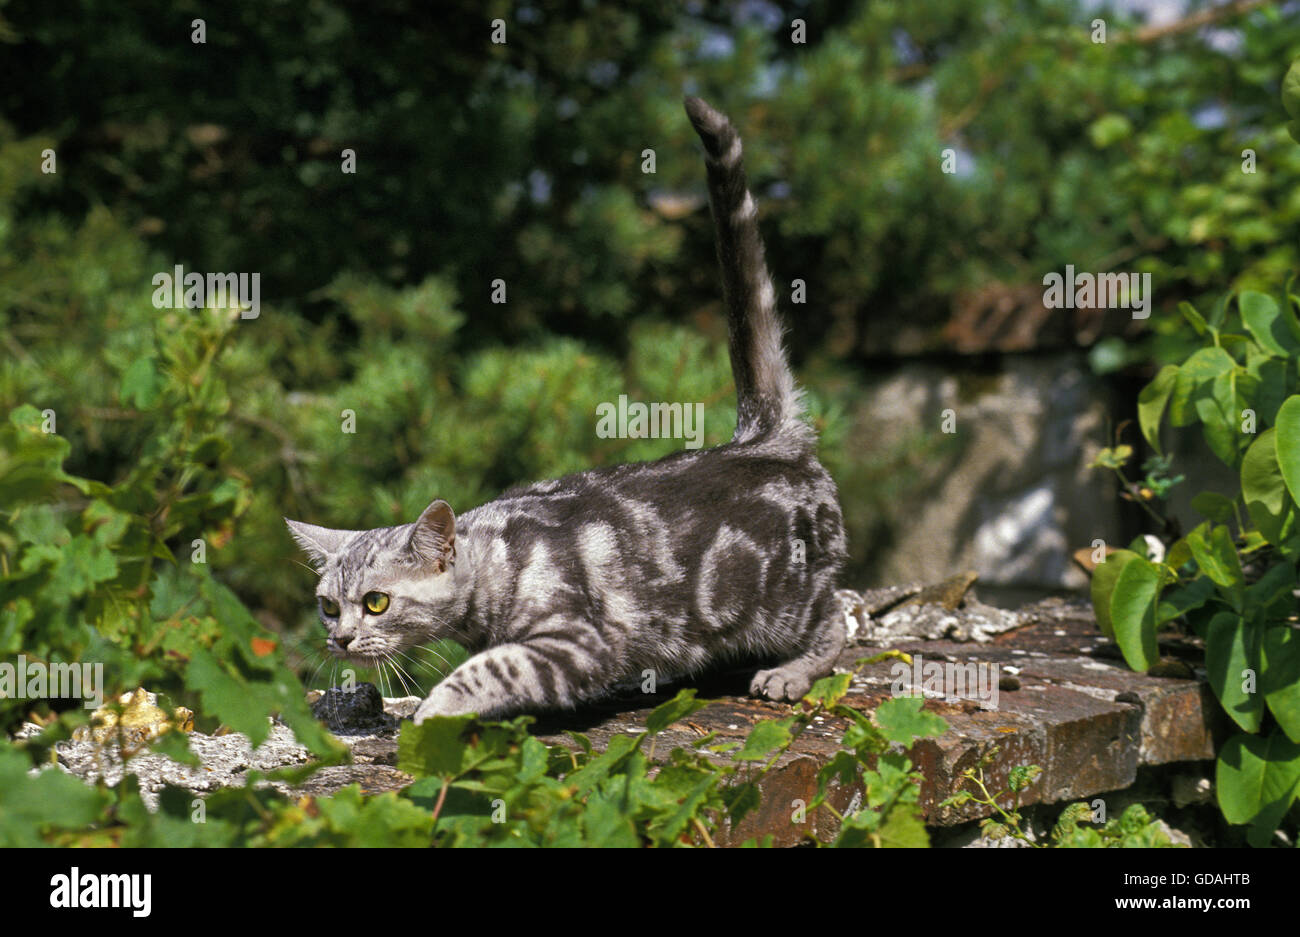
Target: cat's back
{"x": 680, "y": 504}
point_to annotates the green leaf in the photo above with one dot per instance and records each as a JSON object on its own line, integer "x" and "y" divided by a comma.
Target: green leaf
{"x": 1183, "y": 599}
{"x": 679, "y": 707}
{"x": 1115, "y": 458}
{"x": 606, "y": 824}
{"x": 1021, "y": 776}
{"x": 764, "y": 738}
{"x": 600, "y": 767}
{"x": 903, "y": 828}
{"x": 31, "y": 806}
{"x": 141, "y": 384}
{"x": 829, "y": 690}
{"x": 1219, "y": 411}
{"x": 1288, "y": 444}
{"x": 1291, "y": 90}
{"x": 1264, "y": 489}
{"x": 434, "y": 747}
{"x": 1109, "y": 129}
{"x": 1255, "y": 774}
{"x": 1195, "y": 377}
{"x": 1191, "y": 315}
{"x": 1152, "y": 401}
{"x": 1103, "y": 586}
{"x": 1132, "y": 612}
{"x": 1217, "y": 556}
{"x": 902, "y": 720}
{"x": 1231, "y": 649}
{"x": 1215, "y": 506}
{"x": 1280, "y": 682}
{"x": 1264, "y": 321}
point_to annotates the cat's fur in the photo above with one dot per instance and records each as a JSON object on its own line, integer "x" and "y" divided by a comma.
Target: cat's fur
{"x": 563, "y": 589}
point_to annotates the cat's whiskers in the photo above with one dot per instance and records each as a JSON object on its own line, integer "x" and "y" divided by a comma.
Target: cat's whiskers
{"x": 422, "y": 664}
{"x": 400, "y": 673}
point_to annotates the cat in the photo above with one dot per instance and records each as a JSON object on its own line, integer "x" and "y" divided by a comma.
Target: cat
{"x": 563, "y": 589}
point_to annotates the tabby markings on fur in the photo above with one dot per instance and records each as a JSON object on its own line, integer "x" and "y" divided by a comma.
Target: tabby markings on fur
{"x": 563, "y": 589}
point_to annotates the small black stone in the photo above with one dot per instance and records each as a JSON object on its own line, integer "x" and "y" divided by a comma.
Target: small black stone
{"x": 344, "y": 709}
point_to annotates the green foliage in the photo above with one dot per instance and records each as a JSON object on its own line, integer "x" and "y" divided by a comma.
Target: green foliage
{"x": 90, "y": 572}
{"x": 1291, "y": 99}
{"x": 495, "y": 784}
{"x": 1134, "y": 829}
{"x": 1233, "y": 578}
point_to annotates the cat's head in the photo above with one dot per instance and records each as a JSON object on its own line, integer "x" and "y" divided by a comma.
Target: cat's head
{"x": 385, "y": 589}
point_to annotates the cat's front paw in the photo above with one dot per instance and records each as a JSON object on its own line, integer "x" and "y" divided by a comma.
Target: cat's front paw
{"x": 781, "y": 684}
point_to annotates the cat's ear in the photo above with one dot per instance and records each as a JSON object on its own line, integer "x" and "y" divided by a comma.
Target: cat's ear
{"x": 320, "y": 543}
{"x": 433, "y": 537}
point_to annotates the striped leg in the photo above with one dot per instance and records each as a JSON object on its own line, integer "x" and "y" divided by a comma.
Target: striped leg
{"x": 536, "y": 674}
{"x": 792, "y": 679}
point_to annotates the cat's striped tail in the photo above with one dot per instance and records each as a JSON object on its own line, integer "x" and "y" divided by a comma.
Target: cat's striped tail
{"x": 768, "y": 401}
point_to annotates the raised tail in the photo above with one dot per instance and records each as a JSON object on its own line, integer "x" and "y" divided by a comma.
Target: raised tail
{"x": 768, "y": 401}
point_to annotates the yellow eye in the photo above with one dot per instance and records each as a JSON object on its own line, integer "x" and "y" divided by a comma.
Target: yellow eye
{"x": 329, "y": 607}
{"x": 376, "y": 602}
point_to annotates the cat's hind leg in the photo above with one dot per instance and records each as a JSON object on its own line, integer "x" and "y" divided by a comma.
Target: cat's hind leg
{"x": 790, "y": 680}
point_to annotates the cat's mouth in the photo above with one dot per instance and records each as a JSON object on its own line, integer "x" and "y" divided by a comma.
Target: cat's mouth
{"x": 351, "y": 657}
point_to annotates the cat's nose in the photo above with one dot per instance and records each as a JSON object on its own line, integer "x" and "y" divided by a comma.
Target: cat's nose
{"x": 343, "y": 640}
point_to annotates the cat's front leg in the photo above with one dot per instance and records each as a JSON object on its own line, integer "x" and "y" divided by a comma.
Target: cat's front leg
{"x": 548, "y": 673}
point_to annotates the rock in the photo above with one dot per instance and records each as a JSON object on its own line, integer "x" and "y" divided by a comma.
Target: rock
{"x": 402, "y": 707}
{"x": 359, "y": 716}
{"x": 1008, "y": 492}
{"x": 1191, "y": 789}
{"x": 1177, "y": 837}
{"x": 355, "y": 709}
{"x": 972, "y": 838}
{"x": 948, "y": 610}
{"x": 139, "y": 722}
{"x": 225, "y": 759}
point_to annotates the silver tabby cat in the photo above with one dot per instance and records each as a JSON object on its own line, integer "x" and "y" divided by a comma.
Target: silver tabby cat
{"x": 564, "y": 589}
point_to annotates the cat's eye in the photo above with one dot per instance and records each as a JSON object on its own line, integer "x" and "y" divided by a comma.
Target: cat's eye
{"x": 329, "y": 607}
{"x": 376, "y": 602}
